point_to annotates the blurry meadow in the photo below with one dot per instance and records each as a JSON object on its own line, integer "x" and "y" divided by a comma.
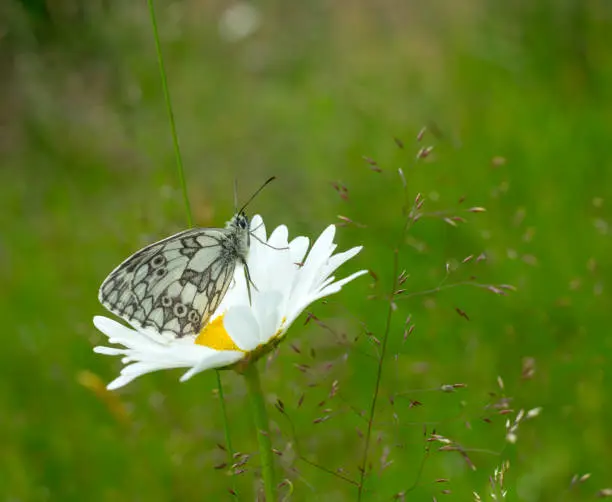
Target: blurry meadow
{"x": 331, "y": 97}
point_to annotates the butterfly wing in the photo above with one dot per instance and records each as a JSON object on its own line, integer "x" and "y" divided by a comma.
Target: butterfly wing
{"x": 172, "y": 286}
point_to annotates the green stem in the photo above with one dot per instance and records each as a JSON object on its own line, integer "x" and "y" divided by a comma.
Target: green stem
{"x": 258, "y": 408}
{"x": 175, "y": 141}
{"x": 183, "y": 183}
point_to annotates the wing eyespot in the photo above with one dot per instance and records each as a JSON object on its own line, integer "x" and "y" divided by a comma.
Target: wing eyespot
{"x": 193, "y": 317}
{"x": 158, "y": 261}
{"x": 180, "y": 310}
{"x": 166, "y": 301}
{"x": 159, "y": 272}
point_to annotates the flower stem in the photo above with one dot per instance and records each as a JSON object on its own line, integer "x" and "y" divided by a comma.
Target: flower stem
{"x": 258, "y": 406}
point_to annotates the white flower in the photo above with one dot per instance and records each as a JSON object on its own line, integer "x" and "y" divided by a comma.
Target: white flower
{"x": 287, "y": 278}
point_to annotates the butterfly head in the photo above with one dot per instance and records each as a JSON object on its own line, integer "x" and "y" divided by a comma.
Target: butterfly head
{"x": 239, "y": 227}
{"x": 238, "y": 223}
{"x": 242, "y": 221}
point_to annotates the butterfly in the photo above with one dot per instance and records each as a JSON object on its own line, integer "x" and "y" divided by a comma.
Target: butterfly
{"x": 175, "y": 285}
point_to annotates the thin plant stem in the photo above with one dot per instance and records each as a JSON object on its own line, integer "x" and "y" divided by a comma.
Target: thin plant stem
{"x": 183, "y": 183}
{"x": 169, "y": 109}
{"x": 260, "y": 416}
{"x": 366, "y": 448}
{"x": 409, "y": 220}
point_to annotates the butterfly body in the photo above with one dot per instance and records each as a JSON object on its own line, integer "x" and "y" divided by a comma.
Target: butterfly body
{"x": 175, "y": 285}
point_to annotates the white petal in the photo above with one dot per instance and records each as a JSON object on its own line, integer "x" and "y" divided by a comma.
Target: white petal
{"x": 130, "y": 373}
{"x": 298, "y": 247}
{"x": 109, "y": 351}
{"x": 218, "y": 360}
{"x": 118, "y": 333}
{"x": 278, "y": 238}
{"x": 323, "y": 247}
{"x": 351, "y": 277}
{"x": 258, "y": 228}
{"x": 237, "y": 294}
{"x": 318, "y": 255}
{"x": 336, "y": 286}
{"x": 266, "y": 308}
{"x": 120, "y": 381}
{"x": 242, "y": 327}
{"x": 276, "y": 274}
{"x": 299, "y": 305}
{"x": 112, "y": 328}
{"x": 340, "y": 258}
{"x": 142, "y": 368}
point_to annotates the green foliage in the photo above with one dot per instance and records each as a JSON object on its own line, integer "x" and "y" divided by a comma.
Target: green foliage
{"x": 87, "y": 176}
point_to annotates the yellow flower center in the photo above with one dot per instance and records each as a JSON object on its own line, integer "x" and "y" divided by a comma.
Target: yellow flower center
{"x": 213, "y": 335}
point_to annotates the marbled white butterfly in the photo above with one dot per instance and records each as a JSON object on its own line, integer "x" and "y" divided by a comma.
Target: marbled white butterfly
{"x": 173, "y": 286}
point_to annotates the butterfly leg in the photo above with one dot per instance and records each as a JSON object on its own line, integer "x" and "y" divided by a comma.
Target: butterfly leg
{"x": 249, "y": 281}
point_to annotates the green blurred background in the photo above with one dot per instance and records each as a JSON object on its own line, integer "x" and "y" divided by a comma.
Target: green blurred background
{"x": 516, "y": 97}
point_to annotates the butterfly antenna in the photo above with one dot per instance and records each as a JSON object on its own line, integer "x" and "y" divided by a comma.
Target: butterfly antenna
{"x": 269, "y": 180}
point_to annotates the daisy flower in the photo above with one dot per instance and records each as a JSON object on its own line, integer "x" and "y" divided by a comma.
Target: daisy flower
{"x": 288, "y": 278}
